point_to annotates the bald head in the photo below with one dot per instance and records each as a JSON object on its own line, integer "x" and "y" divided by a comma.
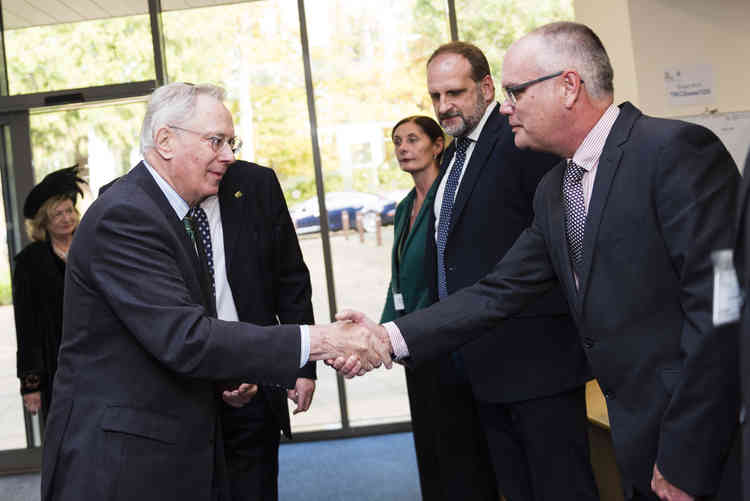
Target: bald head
{"x": 567, "y": 45}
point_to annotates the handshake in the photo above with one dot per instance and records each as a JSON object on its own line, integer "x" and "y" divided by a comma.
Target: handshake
{"x": 353, "y": 345}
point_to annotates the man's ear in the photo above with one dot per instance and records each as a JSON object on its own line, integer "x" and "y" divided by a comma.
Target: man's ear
{"x": 487, "y": 86}
{"x": 164, "y": 143}
{"x": 572, "y": 87}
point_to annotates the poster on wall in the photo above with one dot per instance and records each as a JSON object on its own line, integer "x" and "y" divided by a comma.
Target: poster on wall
{"x": 689, "y": 85}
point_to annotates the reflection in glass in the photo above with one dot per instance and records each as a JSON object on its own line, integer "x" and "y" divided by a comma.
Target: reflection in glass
{"x": 492, "y": 25}
{"x": 12, "y": 431}
{"x": 103, "y": 140}
{"x": 256, "y": 56}
{"x": 44, "y": 56}
{"x": 368, "y": 65}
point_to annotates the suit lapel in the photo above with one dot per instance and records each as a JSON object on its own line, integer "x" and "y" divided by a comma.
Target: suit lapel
{"x": 609, "y": 162}
{"x": 491, "y": 134}
{"x": 144, "y": 180}
{"x": 231, "y": 200}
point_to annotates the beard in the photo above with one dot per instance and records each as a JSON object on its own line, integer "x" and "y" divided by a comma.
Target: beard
{"x": 468, "y": 122}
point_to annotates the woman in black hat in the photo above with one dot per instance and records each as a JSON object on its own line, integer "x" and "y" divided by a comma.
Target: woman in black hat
{"x": 38, "y": 281}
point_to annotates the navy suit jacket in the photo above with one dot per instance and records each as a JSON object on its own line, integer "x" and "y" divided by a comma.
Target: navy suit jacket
{"x": 269, "y": 279}
{"x": 663, "y": 200}
{"x": 537, "y": 353}
{"x": 134, "y": 412}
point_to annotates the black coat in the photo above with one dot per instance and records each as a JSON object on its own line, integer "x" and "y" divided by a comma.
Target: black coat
{"x": 663, "y": 200}
{"x": 269, "y": 279}
{"x": 742, "y": 258}
{"x": 38, "y": 283}
{"x": 135, "y": 408}
{"x": 536, "y": 354}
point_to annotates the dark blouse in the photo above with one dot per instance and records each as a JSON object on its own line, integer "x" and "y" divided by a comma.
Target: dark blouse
{"x": 38, "y": 283}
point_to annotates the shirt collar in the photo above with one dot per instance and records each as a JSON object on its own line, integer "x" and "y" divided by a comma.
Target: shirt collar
{"x": 179, "y": 205}
{"x": 588, "y": 153}
{"x": 474, "y": 135}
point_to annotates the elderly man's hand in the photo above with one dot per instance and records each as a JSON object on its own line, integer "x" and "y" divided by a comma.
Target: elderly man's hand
{"x": 365, "y": 344}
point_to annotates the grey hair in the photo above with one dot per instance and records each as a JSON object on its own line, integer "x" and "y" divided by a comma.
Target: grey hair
{"x": 173, "y": 103}
{"x": 576, "y": 46}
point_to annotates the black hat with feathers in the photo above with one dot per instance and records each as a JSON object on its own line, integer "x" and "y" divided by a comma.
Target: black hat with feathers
{"x": 61, "y": 182}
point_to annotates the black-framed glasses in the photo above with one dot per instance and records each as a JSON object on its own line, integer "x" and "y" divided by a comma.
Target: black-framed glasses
{"x": 216, "y": 143}
{"x": 512, "y": 92}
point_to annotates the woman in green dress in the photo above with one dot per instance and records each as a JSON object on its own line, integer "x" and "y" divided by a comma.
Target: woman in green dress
{"x": 419, "y": 144}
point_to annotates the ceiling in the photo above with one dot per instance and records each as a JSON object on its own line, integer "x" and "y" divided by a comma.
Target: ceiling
{"x": 28, "y": 13}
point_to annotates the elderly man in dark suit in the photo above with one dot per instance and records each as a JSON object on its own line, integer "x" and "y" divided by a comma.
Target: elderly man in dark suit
{"x": 260, "y": 278}
{"x": 135, "y": 406}
{"x": 626, "y": 226}
{"x": 483, "y": 202}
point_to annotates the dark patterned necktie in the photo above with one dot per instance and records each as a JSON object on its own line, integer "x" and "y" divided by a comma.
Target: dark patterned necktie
{"x": 575, "y": 212}
{"x": 446, "y": 212}
{"x": 204, "y": 233}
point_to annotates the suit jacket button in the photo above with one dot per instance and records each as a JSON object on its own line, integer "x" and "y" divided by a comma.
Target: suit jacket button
{"x": 451, "y": 268}
{"x": 588, "y": 343}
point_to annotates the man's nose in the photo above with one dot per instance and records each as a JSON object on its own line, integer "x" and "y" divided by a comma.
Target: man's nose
{"x": 507, "y": 107}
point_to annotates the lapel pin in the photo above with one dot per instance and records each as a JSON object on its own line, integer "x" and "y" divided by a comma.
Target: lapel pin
{"x": 237, "y": 194}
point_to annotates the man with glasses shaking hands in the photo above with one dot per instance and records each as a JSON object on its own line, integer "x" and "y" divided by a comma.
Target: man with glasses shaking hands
{"x": 626, "y": 225}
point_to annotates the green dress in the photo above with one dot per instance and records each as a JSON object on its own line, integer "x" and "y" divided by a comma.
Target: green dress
{"x": 409, "y": 278}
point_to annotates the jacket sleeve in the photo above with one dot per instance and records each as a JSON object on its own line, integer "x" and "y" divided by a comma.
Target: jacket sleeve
{"x": 29, "y": 336}
{"x": 524, "y": 273}
{"x": 294, "y": 290}
{"x": 695, "y": 192}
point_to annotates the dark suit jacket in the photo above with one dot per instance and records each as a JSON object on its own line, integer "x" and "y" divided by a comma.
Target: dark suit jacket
{"x": 269, "y": 279}
{"x": 538, "y": 353}
{"x": 742, "y": 258}
{"x": 134, "y": 412}
{"x": 663, "y": 199}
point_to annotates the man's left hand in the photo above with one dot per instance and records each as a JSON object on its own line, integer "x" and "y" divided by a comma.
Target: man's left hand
{"x": 667, "y": 491}
{"x": 241, "y": 395}
{"x": 302, "y": 394}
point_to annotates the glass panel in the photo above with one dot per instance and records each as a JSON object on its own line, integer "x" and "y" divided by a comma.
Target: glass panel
{"x": 12, "y": 430}
{"x": 368, "y": 64}
{"x": 492, "y": 25}
{"x": 102, "y": 140}
{"x": 255, "y": 54}
{"x": 45, "y": 56}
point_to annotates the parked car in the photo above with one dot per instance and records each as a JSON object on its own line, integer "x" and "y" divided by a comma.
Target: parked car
{"x": 306, "y": 215}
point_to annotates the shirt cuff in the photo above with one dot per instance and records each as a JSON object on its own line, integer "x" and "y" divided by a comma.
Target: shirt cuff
{"x": 304, "y": 338}
{"x": 398, "y": 344}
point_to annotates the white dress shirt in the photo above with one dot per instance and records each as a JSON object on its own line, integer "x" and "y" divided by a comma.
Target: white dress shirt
{"x": 473, "y": 137}
{"x": 225, "y": 307}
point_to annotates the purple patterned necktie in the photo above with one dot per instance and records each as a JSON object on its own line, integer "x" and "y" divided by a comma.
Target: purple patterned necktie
{"x": 575, "y": 212}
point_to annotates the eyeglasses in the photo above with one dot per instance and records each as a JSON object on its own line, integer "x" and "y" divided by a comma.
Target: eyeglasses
{"x": 514, "y": 91}
{"x": 217, "y": 143}
{"x": 59, "y": 214}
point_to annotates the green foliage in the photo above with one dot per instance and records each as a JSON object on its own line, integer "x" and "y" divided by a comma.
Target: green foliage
{"x": 6, "y": 295}
{"x": 368, "y": 65}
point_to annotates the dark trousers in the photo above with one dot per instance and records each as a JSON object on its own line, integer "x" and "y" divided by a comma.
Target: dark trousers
{"x": 540, "y": 448}
{"x": 251, "y": 443}
{"x": 462, "y": 466}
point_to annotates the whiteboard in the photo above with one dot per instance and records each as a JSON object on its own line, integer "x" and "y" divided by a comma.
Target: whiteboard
{"x": 733, "y": 128}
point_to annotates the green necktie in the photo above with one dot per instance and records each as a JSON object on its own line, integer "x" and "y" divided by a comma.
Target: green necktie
{"x": 188, "y": 223}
